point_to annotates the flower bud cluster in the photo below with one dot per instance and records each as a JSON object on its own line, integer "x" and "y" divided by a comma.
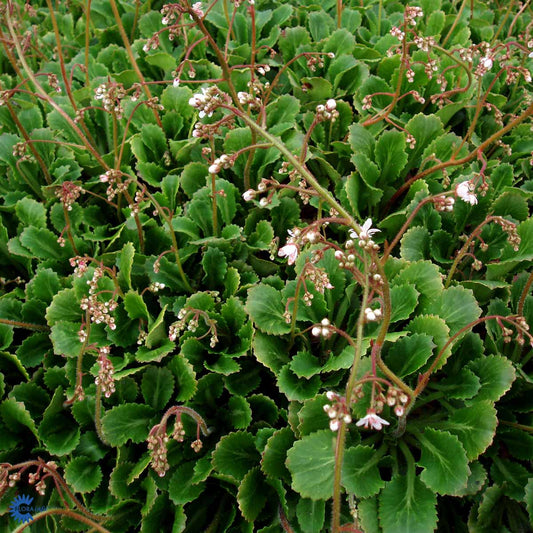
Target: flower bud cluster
{"x": 116, "y": 186}
{"x": 171, "y": 13}
{"x": 323, "y": 330}
{"x": 19, "y": 151}
{"x": 106, "y": 372}
{"x": 338, "y": 411}
{"x": 319, "y": 277}
{"x": 157, "y": 445}
{"x": 100, "y": 312}
{"x": 111, "y": 94}
{"x": 523, "y": 328}
{"x": 80, "y": 265}
{"x": 209, "y": 100}
{"x": 372, "y": 315}
{"x": 40, "y": 484}
{"x": 68, "y": 193}
{"x": 54, "y": 83}
{"x": 327, "y": 112}
{"x": 412, "y": 13}
{"x": 444, "y": 203}
{"x": 397, "y": 399}
{"x": 512, "y": 234}
{"x": 248, "y": 99}
{"x": 224, "y": 161}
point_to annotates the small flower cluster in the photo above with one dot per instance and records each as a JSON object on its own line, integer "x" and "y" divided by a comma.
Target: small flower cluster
{"x": 210, "y": 99}
{"x": 100, "y": 312}
{"x": 156, "y": 286}
{"x": 465, "y": 191}
{"x": 444, "y": 203}
{"x": 111, "y": 94}
{"x": 116, "y": 186}
{"x": 338, "y": 411}
{"x": 323, "y": 330}
{"x": 80, "y": 265}
{"x": 158, "y": 439}
{"x": 68, "y": 193}
{"x": 191, "y": 325}
{"x": 397, "y": 399}
{"x": 106, "y": 370}
{"x": 248, "y": 99}
{"x": 34, "y": 478}
{"x": 372, "y": 315}
{"x": 171, "y": 13}
{"x": 365, "y": 236}
{"x": 327, "y": 112}
{"x": 224, "y": 161}
{"x": 19, "y": 151}
{"x": 411, "y": 14}
{"x": 54, "y": 83}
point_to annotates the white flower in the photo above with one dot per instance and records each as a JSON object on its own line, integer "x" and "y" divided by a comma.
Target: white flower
{"x": 331, "y": 104}
{"x": 530, "y": 55}
{"x": 464, "y": 190}
{"x": 176, "y": 82}
{"x": 372, "y": 420}
{"x": 366, "y": 231}
{"x": 249, "y": 195}
{"x": 486, "y": 62}
{"x": 290, "y": 251}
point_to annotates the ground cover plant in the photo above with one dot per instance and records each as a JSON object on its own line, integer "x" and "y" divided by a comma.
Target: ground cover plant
{"x": 266, "y": 266}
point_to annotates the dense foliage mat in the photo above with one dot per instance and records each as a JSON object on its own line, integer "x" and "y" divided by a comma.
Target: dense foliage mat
{"x": 266, "y": 266}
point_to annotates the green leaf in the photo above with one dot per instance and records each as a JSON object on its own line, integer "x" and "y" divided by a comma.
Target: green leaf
{"x": 435, "y": 327}
{"x": 275, "y": 454}
{"x": 295, "y": 388}
{"x": 185, "y": 376}
{"x": 83, "y": 475}
{"x": 390, "y": 155}
{"x": 462, "y": 386}
{"x": 360, "y": 472}
{"x": 361, "y": 141}
{"x": 65, "y": 306}
{"x": 180, "y": 487}
{"x": 157, "y": 386}
{"x": 414, "y": 245}
{"x": 65, "y": 339}
{"x": 424, "y": 128}
{"x": 215, "y": 267}
{"x": 408, "y": 354}
{"x": 135, "y": 306}
{"x": 424, "y": 275}
{"x": 529, "y": 499}
{"x": 239, "y": 412}
{"x": 235, "y": 455}
{"x": 474, "y": 425}
{"x": 435, "y": 23}
{"x": 305, "y": 365}
{"x": 265, "y": 308}
{"x": 129, "y": 421}
{"x": 31, "y": 213}
{"x": 43, "y": 243}
{"x": 457, "y": 306}
{"x": 311, "y": 515}
{"x": 44, "y": 285}
{"x": 14, "y": 414}
{"x": 125, "y": 263}
{"x": 252, "y": 494}
{"x": 496, "y": 374}
{"x": 407, "y": 507}
{"x": 58, "y": 430}
{"x": 444, "y": 461}
{"x": 512, "y": 476}
{"x": 311, "y": 462}
{"x": 404, "y": 299}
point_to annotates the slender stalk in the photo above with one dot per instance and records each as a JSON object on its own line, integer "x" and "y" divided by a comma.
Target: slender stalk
{"x": 524, "y": 294}
{"x": 65, "y": 512}
{"x": 25, "y": 325}
{"x": 98, "y": 415}
{"x": 133, "y": 61}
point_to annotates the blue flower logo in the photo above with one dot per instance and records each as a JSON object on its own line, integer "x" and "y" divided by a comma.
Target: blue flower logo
{"x": 20, "y": 508}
